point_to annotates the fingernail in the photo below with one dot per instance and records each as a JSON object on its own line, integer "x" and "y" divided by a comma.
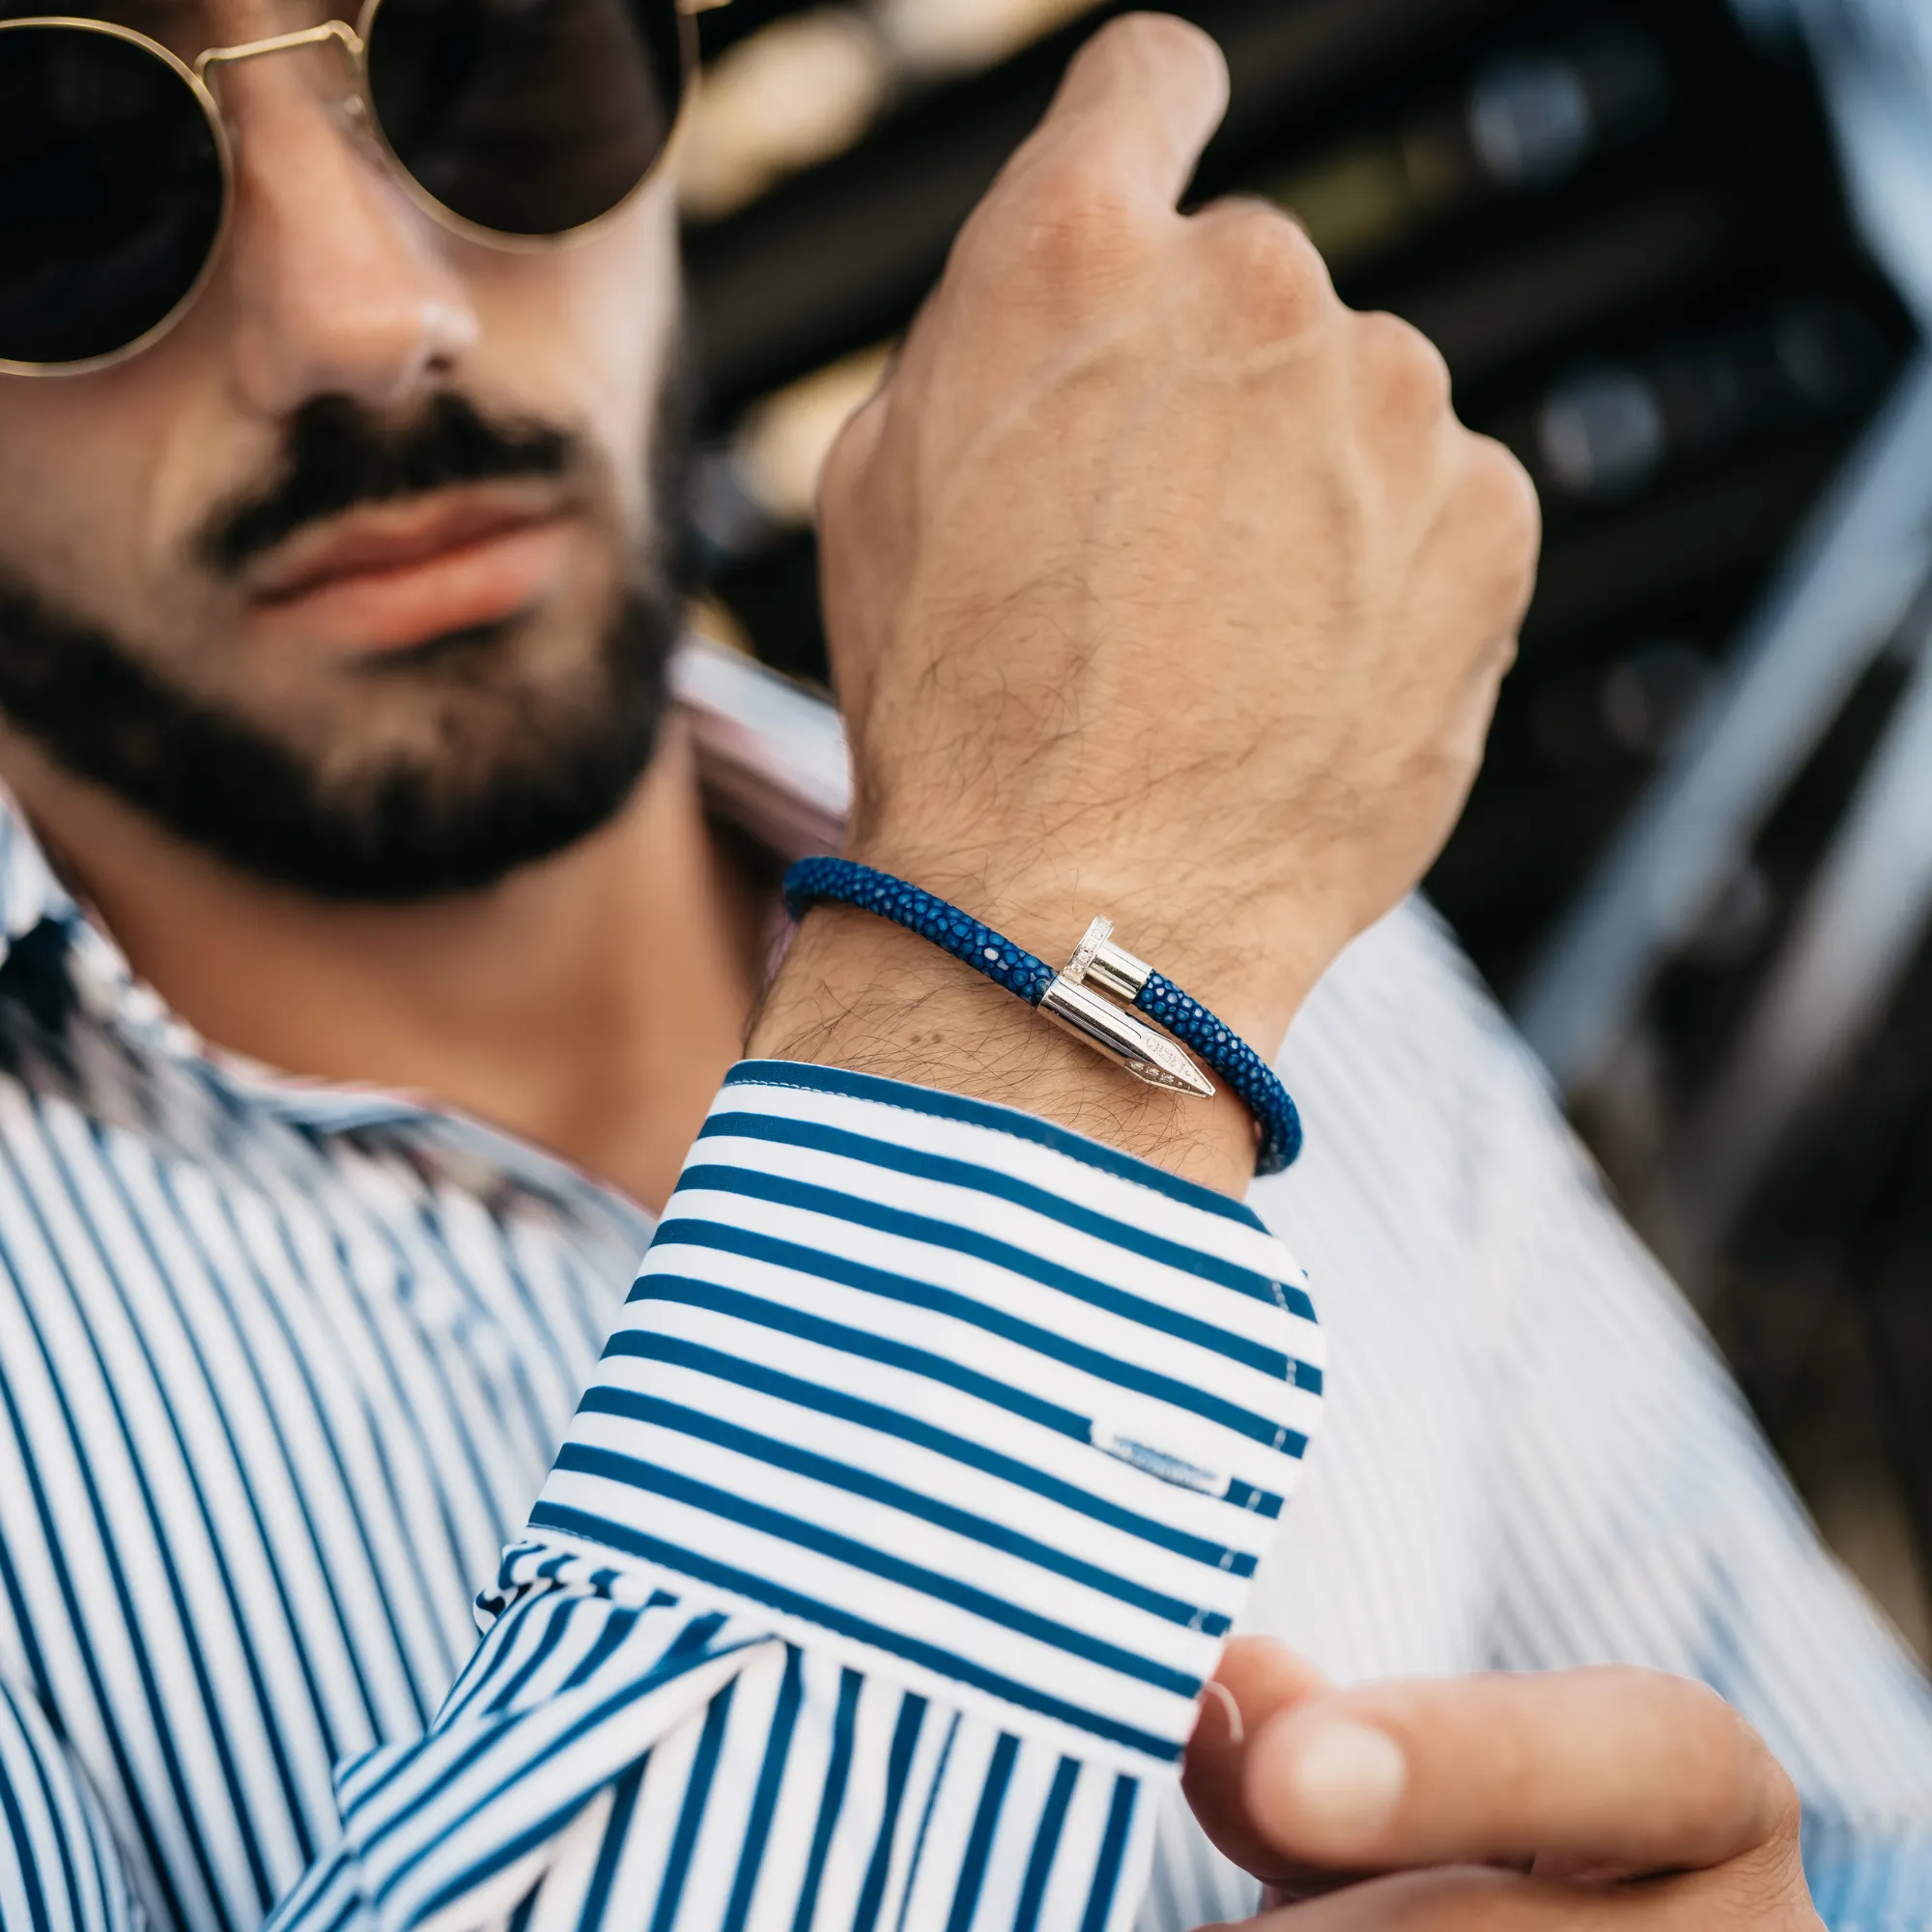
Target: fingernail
{"x": 1214, "y": 1692}
{"x": 1342, "y": 1780}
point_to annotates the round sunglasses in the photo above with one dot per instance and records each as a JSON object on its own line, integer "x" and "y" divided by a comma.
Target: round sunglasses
{"x": 518, "y": 123}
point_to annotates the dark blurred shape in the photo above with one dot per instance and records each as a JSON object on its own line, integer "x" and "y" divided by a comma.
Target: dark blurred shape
{"x": 111, "y": 193}
{"x": 1528, "y": 120}
{"x": 484, "y": 103}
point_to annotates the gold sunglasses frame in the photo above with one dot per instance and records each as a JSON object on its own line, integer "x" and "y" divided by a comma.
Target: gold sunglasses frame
{"x": 355, "y": 45}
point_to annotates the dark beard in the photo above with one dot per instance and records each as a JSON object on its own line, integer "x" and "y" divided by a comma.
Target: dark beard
{"x": 519, "y": 770}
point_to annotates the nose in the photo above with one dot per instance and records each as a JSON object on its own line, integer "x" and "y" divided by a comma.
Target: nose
{"x": 337, "y": 284}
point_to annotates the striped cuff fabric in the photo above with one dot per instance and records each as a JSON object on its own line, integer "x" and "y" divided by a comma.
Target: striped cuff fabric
{"x": 880, "y": 1572}
{"x": 952, "y": 1393}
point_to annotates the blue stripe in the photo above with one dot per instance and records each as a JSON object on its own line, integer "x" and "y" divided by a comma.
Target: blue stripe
{"x": 931, "y": 1232}
{"x": 356, "y": 1530}
{"x": 692, "y": 1649}
{"x": 645, "y": 1344}
{"x": 498, "y": 1856}
{"x": 494, "y": 1659}
{"x": 26, "y": 1862}
{"x": 980, "y": 1845}
{"x": 633, "y": 1472}
{"x": 1046, "y": 1845}
{"x": 688, "y": 1291}
{"x": 140, "y": 1468}
{"x": 142, "y": 1223}
{"x": 272, "y": 1717}
{"x": 838, "y": 1773}
{"x": 427, "y": 1227}
{"x": 933, "y": 1792}
{"x": 616, "y": 1631}
{"x": 765, "y": 1799}
{"x": 382, "y": 1584}
{"x": 797, "y": 1259}
{"x": 793, "y": 1602}
{"x": 434, "y": 1362}
{"x": 1007, "y": 1121}
{"x": 697, "y": 1795}
{"x": 787, "y": 1130}
{"x": 138, "y": 1654}
{"x": 905, "y": 1739}
{"x": 650, "y": 1409}
{"x": 526, "y": 1772}
{"x": 610, "y": 1853}
{"x": 541, "y": 1652}
{"x": 286, "y": 1197}
{"x": 1113, "y": 1846}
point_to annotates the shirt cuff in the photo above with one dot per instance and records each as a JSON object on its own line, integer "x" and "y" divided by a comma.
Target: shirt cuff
{"x": 956, "y": 1395}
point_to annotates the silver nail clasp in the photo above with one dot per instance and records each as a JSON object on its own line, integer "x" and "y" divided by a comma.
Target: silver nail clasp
{"x": 1074, "y": 1004}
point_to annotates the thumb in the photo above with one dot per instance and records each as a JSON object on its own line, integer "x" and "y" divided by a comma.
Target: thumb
{"x": 1259, "y": 1679}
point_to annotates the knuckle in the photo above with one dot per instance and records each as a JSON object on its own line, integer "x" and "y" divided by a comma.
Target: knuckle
{"x": 849, "y": 459}
{"x": 1505, "y": 503}
{"x": 1406, "y": 365}
{"x": 1076, "y": 221}
{"x": 1270, "y": 262}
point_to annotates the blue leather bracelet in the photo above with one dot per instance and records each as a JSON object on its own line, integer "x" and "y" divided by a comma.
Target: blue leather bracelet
{"x": 1067, "y": 997}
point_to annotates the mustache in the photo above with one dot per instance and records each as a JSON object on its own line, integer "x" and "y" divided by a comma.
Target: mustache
{"x": 340, "y": 455}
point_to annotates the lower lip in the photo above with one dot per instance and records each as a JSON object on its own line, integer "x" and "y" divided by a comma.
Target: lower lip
{"x": 473, "y": 584}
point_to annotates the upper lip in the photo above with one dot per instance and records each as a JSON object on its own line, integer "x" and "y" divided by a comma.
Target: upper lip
{"x": 389, "y": 536}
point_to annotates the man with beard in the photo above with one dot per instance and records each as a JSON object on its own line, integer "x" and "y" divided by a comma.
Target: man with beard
{"x": 373, "y": 961}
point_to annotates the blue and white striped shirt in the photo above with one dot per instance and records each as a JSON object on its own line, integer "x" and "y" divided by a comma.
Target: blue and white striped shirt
{"x": 930, "y": 1460}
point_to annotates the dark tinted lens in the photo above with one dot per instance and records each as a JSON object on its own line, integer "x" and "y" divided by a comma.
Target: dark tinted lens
{"x": 530, "y": 117}
{"x": 111, "y": 193}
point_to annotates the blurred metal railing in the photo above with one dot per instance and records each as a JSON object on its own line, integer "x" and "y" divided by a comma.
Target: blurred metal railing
{"x": 1861, "y": 921}
{"x": 1839, "y": 600}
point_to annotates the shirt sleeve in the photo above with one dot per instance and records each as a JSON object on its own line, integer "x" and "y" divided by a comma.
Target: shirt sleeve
{"x": 1642, "y": 1519}
{"x": 878, "y": 1578}
{"x": 59, "y": 1864}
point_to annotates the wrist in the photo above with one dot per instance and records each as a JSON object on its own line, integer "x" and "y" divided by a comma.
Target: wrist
{"x": 1250, "y": 958}
{"x": 859, "y": 992}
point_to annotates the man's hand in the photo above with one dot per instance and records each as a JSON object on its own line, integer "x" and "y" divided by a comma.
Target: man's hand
{"x": 1157, "y": 584}
{"x": 1573, "y": 1800}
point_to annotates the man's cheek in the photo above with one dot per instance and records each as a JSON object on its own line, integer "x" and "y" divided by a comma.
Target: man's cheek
{"x": 98, "y": 511}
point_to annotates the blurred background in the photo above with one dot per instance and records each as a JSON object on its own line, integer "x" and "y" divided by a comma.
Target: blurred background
{"x": 1678, "y": 254}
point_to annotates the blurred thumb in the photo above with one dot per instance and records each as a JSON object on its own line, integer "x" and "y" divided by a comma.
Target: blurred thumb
{"x": 1260, "y": 1679}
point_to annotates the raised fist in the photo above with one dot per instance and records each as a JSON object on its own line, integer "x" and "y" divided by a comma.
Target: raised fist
{"x": 1158, "y": 583}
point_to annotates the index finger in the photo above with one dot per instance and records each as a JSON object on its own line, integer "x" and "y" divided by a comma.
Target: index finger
{"x": 1620, "y": 1770}
{"x": 1140, "y": 101}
